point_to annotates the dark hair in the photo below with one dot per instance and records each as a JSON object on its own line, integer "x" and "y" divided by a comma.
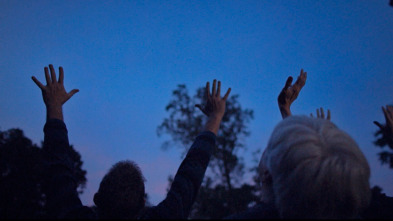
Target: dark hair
{"x": 122, "y": 191}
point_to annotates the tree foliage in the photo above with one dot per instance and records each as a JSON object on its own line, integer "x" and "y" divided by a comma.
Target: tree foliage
{"x": 383, "y": 138}
{"x": 21, "y": 168}
{"x": 223, "y": 189}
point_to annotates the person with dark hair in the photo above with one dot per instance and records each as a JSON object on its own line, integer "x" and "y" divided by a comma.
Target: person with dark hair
{"x": 121, "y": 192}
{"x": 123, "y": 183}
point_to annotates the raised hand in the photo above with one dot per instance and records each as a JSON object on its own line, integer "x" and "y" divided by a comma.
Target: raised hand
{"x": 387, "y": 129}
{"x": 290, "y": 92}
{"x": 54, "y": 93}
{"x": 215, "y": 106}
{"x": 321, "y": 114}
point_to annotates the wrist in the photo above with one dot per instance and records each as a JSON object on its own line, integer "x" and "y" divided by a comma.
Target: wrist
{"x": 284, "y": 107}
{"x": 54, "y": 112}
{"x": 285, "y": 111}
{"x": 215, "y": 117}
{"x": 213, "y": 124}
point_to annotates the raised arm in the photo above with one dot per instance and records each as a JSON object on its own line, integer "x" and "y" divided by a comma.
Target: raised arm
{"x": 188, "y": 179}
{"x": 387, "y": 129}
{"x": 289, "y": 93}
{"x": 59, "y": 185}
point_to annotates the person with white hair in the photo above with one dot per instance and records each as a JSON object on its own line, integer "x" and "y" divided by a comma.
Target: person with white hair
{"x": 310, "y": 168}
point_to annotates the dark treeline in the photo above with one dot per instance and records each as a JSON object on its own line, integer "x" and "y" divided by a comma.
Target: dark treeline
{"x": 222, "y": 193}
{"x": 22, "y": 197}
{"x": 22, "y": 176}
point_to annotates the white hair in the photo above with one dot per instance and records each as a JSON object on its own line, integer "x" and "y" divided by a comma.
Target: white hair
{"x": 316, "y": 169}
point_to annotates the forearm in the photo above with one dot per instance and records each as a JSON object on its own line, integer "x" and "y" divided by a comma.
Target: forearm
{"x": 213, "y": 124}
{"x": 56, "y": 137}
{"x": 60, "y": 184}
{"x": 285, "y": 112}
{"x": 187, "y": 181}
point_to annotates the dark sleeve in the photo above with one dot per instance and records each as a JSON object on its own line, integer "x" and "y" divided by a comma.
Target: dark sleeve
{"x": 188, "y": 179}
{"x": 60, "y": 185}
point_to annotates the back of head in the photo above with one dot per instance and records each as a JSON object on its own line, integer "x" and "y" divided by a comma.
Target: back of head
{"x": 121, "y": 192}
{"x": 317, "y": 170}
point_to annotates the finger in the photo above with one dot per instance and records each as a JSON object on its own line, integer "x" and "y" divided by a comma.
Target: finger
{"x": 322, "y": 114}
{"x": 52, "y": 73}
{"x": 385, "y": 113}
{"x": 48, "y": 81}
{"x": 61, "y": 75}
{"x": 207, "y": 89}
{"x": 303, "y": 74}
{"x": 38, "y": 83}
{"x": 328, "y": 114}
{"x": 288, "y": 83}
{"x": 227, "y": 94}
{"x": 318, "y": 116}
{"x": 214, "y": 88}
{"x": 300, "y": 82}
{"x": 379, "y": 125}
{"x": 389, "y": 110}
{"x": 218, "y": 89}
{"x": 303, "y": 77}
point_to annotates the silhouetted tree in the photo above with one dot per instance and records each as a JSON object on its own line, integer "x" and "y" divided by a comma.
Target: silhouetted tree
{"x": 213, "y": 200}
{"x": 79, "y": 173}
{"x": 21, "y": 170}
{"x": 383, "y": 138}
{"x": 184, "y": 123}
{"x": 381, "y": 205}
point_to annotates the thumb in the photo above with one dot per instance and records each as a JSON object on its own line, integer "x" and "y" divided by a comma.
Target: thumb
{"x": 201, "y": 108}
{"x": 74, "y": 91}
{"x": 378, "y": 124}
{"x": 288, "y": 82}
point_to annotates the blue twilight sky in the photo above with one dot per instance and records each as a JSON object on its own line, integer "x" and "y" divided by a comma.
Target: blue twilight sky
{"x": 126, "y": 57}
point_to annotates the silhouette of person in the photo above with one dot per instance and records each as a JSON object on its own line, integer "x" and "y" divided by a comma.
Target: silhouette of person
{"x": 310, "y": 168}
{"x": 121, "y": 192}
